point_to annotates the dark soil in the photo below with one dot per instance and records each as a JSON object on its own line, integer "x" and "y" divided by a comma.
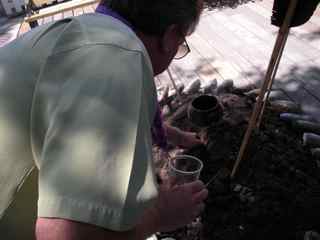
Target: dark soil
{"x": 275, "y": 193}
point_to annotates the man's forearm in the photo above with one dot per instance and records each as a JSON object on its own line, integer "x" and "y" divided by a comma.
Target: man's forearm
{"x": 148, "y": 225}
{"x": 63, "y": 229}
{"x": 173, "y": 134}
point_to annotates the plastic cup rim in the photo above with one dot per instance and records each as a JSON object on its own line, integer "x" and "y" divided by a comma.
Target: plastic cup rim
{"x": 185, "y": 172}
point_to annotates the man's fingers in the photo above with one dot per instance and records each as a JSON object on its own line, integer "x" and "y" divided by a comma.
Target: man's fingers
{"x": 195, "y": 186}
{"x": 199, "y": 197}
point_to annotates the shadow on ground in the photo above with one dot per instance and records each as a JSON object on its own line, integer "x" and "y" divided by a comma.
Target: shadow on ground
{"x": 299, "y": 83}
{"x": 218, "y": 4}
{"x": 313, "y": 35}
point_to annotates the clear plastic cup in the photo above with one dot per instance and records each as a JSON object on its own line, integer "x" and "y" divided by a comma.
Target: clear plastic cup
{"x": 184, "y": 169}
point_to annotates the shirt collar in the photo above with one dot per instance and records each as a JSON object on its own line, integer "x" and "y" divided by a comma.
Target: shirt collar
{"x": 107, "y": 11}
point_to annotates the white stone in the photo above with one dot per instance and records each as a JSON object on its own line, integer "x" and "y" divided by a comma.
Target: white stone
{"x": 193, "y": 87}
{"x": 237, "y": 188}
{"x": 311, "y": 235}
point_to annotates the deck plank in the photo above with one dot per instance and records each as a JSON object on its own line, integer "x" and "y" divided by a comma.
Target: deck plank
{"x": 230, "y": 61}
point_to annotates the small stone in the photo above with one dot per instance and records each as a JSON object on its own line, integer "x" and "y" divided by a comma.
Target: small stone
{"x": 237, "y": 188}
{"x": 225, "y": 87}
{"x": 290, "y": 117}
{"x": 311, "y": 235}
{"x": 210, "y": 86}
{"x": 172, "y": 92}
{"x": 253, "y": 93}
{"x": 166, "y": 111}
{"x": 316, "y": 153}
{"x": 248, "y": 194}
{"x": 312, "y": 140}
{"x": 193, "y": 87}
{"x": 276, "y": 95}
{"x": 164, "y": 94}
{"x": 247, "y": 88}
{"x": 284, "y": 106}
{"x": 154, "y": 237}
{"x": 307, "y": 126}
{"x": 245, "y": 190}
{"x": 180, "y": 87}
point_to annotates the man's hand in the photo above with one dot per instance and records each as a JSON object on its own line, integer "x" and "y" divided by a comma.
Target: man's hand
{"x": 182, "y": 138}
{"x": 189, "y": 140}
{"x": 179, "y": 205}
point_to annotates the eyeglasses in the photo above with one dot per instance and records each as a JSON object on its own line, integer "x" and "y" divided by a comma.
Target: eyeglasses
{"x": 183, "y": 50}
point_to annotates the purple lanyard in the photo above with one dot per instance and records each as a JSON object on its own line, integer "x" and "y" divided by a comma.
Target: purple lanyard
{"x": 158, "y": 133}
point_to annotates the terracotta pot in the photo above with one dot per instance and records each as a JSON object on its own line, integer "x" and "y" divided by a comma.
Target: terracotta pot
{"x": 205, "y": 110}
{"x": 303, "y": 13}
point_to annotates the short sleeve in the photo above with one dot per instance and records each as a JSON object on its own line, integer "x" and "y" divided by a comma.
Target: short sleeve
{"x": 91, "y": 123}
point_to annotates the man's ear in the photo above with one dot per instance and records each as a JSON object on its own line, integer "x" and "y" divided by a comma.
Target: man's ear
{"x": 170, "y": 39}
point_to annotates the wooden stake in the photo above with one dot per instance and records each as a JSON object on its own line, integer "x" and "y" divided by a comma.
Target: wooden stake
{"x": 284, "y": 30}
{"x": 266, "y": 98}
{"x": 174, "y": 85}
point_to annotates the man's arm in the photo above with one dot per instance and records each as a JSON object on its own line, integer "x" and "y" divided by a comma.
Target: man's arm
{"x": 181, "y": 138}
{"x": 63, "y": 229}
{"x": 168, "y": 213}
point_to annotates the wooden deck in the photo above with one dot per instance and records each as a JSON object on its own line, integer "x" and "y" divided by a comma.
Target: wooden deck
{"x": 237, "y": 44}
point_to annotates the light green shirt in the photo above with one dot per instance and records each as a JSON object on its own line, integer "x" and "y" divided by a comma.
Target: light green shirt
{"x": 78, "y": 97}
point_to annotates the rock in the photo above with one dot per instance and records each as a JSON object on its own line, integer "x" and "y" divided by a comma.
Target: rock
{"x": 316, "y": 153}
{"x": 291, "y": 117}
{"x": 284, "y": 106}
{"x": 318, "y": 163}
{"x": 273, "y": 96}
{"x": 246, "y": 195}
{"x": 253, "y": 93}
{"x": 247, "y": 88}
{"x": 180, "y": 87}
{"x": 307, "y": 126}
{"x": 154, "y": 237}
{"x": 210, "y": 86}
{"x": 225, "y": 87}
{"x": 241, "y": 228}
{"x": 166, "y": 111}
{"x": 311, "y": 140}
{"x": 173, "y": 91}
{"x": 179, "y": 114}
{"x": 193, "y": 87}
{"x": 237, "y": 188}
{"x": 276, "y": 95}
{"x": 311, "y": 235}
{"x": 245, "y": 191}
{"x": 164, "y": 94}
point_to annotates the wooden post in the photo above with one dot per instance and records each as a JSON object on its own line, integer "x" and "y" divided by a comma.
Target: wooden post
{"x": 277, "y": 51}
{"x": 266, "y": 98}
{"x": 174, "y": 85}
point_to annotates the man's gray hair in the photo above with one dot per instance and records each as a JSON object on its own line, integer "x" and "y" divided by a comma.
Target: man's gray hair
{"x": 155, "y": 16}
